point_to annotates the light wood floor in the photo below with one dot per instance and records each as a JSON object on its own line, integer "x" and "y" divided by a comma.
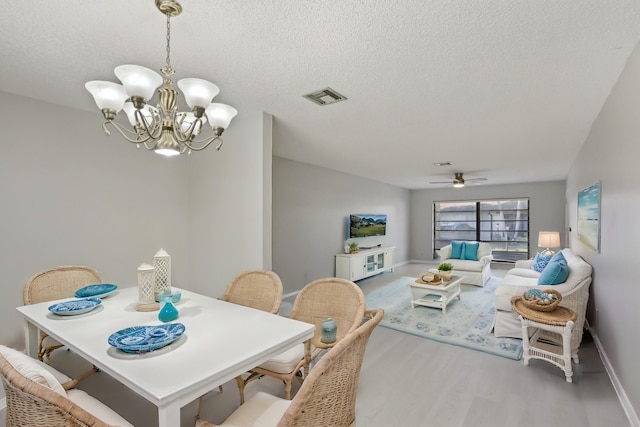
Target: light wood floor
{"x": 409, "y": 381}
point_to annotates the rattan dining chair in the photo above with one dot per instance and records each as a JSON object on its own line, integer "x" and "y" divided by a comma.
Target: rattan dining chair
{"x": 56, "y": 283}
{"x": 326, "y": 398}
{"x": 29, "y": 402}
{"x": 259, "y": 289}
{"x": 339, "y": 299}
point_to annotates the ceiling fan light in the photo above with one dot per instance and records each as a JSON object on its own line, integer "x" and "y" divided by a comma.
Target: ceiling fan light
{"x": 458, "y": 184}
{"x": 198, "y": 92}
{"x": 138, "y": 81}
{"x": 220, "y": 115}
{"x": 107, "y": 95}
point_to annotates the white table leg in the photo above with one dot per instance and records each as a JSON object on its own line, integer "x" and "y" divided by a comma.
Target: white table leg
{"x": 169, "y": 416}
{"x": 566, "y": 351}
{"x": 31, "y": 337}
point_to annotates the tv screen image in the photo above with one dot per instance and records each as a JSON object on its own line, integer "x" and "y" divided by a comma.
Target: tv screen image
{"x": 367, "y": 225}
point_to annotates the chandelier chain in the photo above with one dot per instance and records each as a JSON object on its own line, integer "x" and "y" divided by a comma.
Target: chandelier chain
{"x": 167, "y": 70}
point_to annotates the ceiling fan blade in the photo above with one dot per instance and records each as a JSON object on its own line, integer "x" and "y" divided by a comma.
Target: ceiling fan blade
{"x": 476, "y": 179}
{"x": 441, "y": 182}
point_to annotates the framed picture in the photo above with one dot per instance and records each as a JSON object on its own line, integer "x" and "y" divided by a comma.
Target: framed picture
{"x": 589, "y": 216}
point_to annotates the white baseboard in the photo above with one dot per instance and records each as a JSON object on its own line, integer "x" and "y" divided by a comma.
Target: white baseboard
{"x": 634, "y": 421}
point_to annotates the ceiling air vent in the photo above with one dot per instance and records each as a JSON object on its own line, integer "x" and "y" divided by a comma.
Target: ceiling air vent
{"x": 325, "y": 96}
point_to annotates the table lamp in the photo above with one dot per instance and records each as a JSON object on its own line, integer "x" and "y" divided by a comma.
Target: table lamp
{"x": 548, "y": 239}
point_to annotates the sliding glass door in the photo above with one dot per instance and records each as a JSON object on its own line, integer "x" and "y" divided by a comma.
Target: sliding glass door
{"x": 503, "y": 223}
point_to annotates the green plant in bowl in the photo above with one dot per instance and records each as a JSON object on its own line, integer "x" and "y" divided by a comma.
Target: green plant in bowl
{"x": 445, "y": 266}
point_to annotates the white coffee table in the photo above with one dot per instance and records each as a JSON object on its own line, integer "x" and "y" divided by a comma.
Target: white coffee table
{"x": 436, "y": 296}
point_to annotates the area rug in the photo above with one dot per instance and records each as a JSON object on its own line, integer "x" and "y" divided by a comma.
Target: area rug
{"x": 467, "y": 322}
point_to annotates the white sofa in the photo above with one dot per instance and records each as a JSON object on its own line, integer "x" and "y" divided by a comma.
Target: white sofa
{"x": 473, "y": 272}
{"x": 574, "y": 290}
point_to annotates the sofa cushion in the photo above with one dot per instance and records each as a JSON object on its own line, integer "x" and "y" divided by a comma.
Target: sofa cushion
{"x": 484, "y": 249}
{"x": 579, "y": 269}
{"x": 555, "y": 272}
{"x": 540, "y": 262}
{"x": 465, "y": 265}
{"x": 470, "y": 251}
{"x": 33, "y": 369}
{"x": 456, "y": 249}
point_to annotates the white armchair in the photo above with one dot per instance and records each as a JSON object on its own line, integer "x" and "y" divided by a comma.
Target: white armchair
{"x": 473, "y": 272}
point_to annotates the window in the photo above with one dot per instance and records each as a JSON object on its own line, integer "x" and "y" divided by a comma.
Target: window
{"x": 502, "y": 223}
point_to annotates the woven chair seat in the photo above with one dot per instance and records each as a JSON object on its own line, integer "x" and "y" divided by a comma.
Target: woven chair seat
{"x": 327, "y": 397}
{"x": 339, "y": 299}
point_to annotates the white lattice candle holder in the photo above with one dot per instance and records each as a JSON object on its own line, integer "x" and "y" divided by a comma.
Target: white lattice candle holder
{"x": 146, "y": 288}
{"x": 162, "y": 265}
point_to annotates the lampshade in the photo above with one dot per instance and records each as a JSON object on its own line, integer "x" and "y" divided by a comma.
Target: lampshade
{"x": 549, "y": 239}
{"x": 138, "y": 81}
{"x": 107, "y": 94}
{"x": 147, "y": 112}
{"x": 198, "y": 92}
{"x": 187, "y": 119}
{"x": 220, "y": 115}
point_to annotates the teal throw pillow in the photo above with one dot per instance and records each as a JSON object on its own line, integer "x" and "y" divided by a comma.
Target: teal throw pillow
{"x": 470, "y": 251}
{"x": 540, "y": 262}
{"x": 555, "y": 272}
{"x": 456, "y": 249}
{"x": 557, "y": 256}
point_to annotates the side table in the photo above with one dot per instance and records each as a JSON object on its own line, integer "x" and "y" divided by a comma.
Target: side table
{"x": 561, "y": 321}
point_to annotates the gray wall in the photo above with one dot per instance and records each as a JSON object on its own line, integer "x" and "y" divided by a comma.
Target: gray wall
{"x": 610, "y": 155}
{"x": 546, "y": 210}
{"x": 230, "y": 195}
{"x": 71, "y": 195}
{"x": 310, "y": 209}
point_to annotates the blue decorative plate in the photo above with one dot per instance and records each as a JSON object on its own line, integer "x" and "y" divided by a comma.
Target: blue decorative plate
{"x": 100, "y": 290}
{"x": 78, "y": 306}
{"x": 140, "y": 339}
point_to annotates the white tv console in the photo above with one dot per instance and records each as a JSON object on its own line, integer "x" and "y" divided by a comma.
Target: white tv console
{"x": 365, "y": 263}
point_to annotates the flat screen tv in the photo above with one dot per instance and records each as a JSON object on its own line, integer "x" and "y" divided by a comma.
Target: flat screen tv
{"x": 367, "y": 225}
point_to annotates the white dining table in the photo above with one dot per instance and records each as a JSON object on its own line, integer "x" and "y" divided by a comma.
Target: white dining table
{"x": 221, "y": 341}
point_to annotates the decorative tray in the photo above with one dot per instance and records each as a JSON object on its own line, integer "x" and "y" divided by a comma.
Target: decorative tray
{"x": 73, "y": 307}
{"x": 99, "y": 290}
{"x": 141, "y": 339}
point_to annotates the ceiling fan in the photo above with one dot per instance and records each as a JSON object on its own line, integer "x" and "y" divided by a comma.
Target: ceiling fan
{"x": 458, "y": 180}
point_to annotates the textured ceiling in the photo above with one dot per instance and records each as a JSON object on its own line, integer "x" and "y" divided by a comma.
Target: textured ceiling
{"x": 506, "y": 90}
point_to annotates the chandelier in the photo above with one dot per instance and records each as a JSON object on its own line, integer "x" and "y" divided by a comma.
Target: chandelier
{"x": 163, "y": 128}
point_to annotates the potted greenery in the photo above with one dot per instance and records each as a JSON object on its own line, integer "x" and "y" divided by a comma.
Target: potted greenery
{"x": 353, "y": 248}
{"x": 444, "y": 269}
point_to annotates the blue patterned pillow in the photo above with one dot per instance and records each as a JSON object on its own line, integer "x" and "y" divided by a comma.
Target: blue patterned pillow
{"x": 540, "y": 262}
{"x": 456, "y": 249}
